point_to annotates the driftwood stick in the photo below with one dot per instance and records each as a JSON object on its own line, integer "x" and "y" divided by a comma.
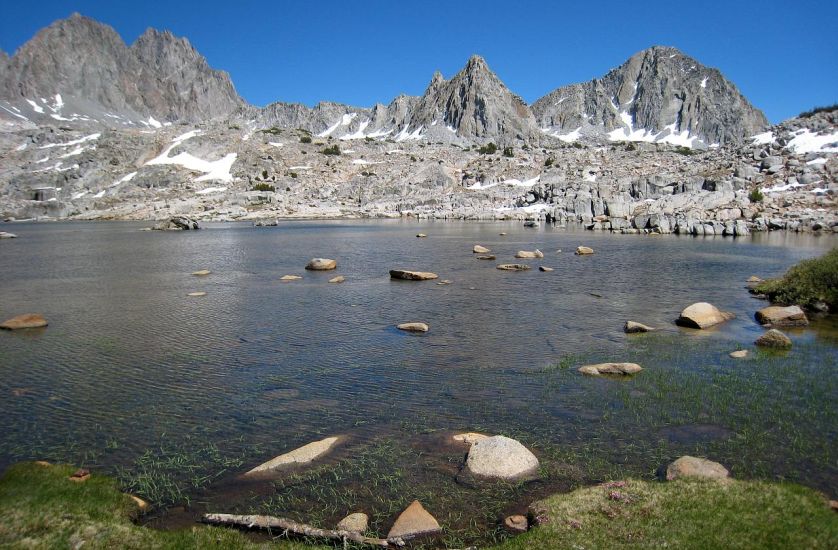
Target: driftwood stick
{"x": 271, "y": 522}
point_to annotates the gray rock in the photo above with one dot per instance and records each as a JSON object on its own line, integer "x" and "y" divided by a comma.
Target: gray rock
{"x": 502, "y": 458}
{"x": 356, "y": 522}
{"x": 702, "y": 315}
{"x": 601, "y": 369}
{"x": 774, "y": 339}
{"x": 632, "y": 327}
{"x": 778, "y": 316}
{"x": 692, "y": 467}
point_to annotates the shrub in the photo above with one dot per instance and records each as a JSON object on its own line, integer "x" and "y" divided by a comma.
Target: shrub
{"x": 631, "y": 146}
{"x": 264, "y": 174}
{"x": 488, "y": 149}
{"x": 681, "y": 150}
{"x": 333, "y": 150}
{"x": 548, "y": 162}
{"x": 507, "y": 152}
{"x": 755, "y": 195}
{"x": 806, "y": 284}
{"x": 272, "y": 130}
{"x": 816, "y": 110}
{"x": 293, "y": 175}
{"x": 263, "y": 187}
{"x": 305, "y": 139}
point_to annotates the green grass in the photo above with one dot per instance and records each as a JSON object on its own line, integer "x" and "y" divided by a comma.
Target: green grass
{"x": 41, "y": 508}
{"x": 806, "y": 283}
{"x": 683, "y": 514}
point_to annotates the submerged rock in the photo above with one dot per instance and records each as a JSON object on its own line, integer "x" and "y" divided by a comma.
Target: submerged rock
{"x": 544, "y": 268}
{"x": 583, "y": 251}
{"x": 27, "y": 320}
{"x": 486, "y": 257}
{"x": 338, "y": 279}
{"x": 513, "y": 267}
{"x": 356, "y": 523}
{"x": 413, "y": 522}
{"x": 469, "y": 438}
{"x": 289, "y": 278}
{"x": 197, "y": 294}
{"x": 632, "y": 327}
{"x": 4, "y": 235}
{"x": 302, "y": 455}
{"x": 702, "y": 315}
{"x": 690, "y": 466}
{"x": 413, "y": 327}
{"x": 412, "y": 275}
{"x": 201, "y": 272}
{"x": 774, "y": 339}
{"x": 502, "y": 458}
{"x": 739, "y": 354}
{"x": 321, "y": 264}
{"x": 477, "y": 249}
{"x": 777, "y": 316}
{"x": 610, "y": 368}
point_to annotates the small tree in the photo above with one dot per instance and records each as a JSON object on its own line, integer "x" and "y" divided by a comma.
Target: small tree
{"x": 305, "y": 139}
{"x": 755, "y": 195}
{"x": 333, "y": 150}
{"x": 507, "y": 152}
{"x": 488, "y": 149}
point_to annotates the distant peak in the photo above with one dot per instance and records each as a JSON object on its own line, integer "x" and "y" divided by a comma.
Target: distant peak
{"x": 437, "y": 78}
{"x": 476, "y": 62}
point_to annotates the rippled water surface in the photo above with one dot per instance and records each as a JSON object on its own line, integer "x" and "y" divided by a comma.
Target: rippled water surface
{"x": 132, "y": 367}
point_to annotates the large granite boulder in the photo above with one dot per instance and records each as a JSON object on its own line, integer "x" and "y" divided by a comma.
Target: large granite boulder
{"x": 777, "y": 316}
{"x": 500, "y": 457}
{"x": 702, "y": 315}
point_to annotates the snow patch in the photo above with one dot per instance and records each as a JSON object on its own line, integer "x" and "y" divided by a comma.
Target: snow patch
{"x": 359, "y": 133}
{"x": 704, "y": 82}
{"x": 345, "y": 120}
{"x": 816, "y": 161}
{"x": 275, "y": 143}
{"x": 763, "y": 138}
{"x": 125, "y": 178}
{"x": 209, "y": 190}
{"x": 407, "y": 135}
{"x": 22, "y": 146}
{"x": 99, "y": 195}
{"x": 365, "y": 162}
{"x": 18, "y": 115}
{"x": 154, "y": 123}
{"x": 518, "y": 183}
{"x": 213, "y": 170}
{"x": 35, "y": 107}
{"x": 806, "y": 141}
{"x": 782, "y": 188}
{"x": 299, "y": 167}
{"x": 85, "y": 139}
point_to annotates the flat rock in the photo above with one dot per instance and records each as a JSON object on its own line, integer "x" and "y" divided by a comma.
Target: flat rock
{"x": 529, "y": 254}
{"x": 338, "y": 279}
{"x": 302, "y": 455}
{"x": 413, "y": 327}
{"x": 544, "y": 268}
{"x": 27, "y": 320}
{"x": 530, "y": 224}
{"x": 477, "y": 249}
{"x": 195, "y": 294}
{"x": 321, "y": 264}
{"x": 702, "y": 315}
{"x": 516, "y": 524}
{"x": 774, "y": 339}
{"x": 690, "y": 466}
{"x": 486, "y": 257}
{"x": 633, "y": 327}
{"x": 412, "y": 275}
{"x": 583, "y": 251}
{"x": 469, "y": 438}
{"x": 777, "y": 316}
{"x": 420, "y": 235}
{"x": 513, "y": 267}
{"x": 739, "y": 354}
{"x": 502, "y": 458}
{"x": 201, "y": 272}
{"x": 414, "y": 521}
{"x": 4, "y": 235}
{"x": 611, "y": 368}
{"x": 289, "y": 278}
{"x": 753, "y": 279}
{"x": 355, "y": 523}
{"x": 502, "y": 233}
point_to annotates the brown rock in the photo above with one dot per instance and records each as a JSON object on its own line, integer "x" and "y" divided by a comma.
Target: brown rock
{"x": 702, "y": 315}
{"x": 777, "y": 316}
{"x": 516, "y": 524}
{"x": 774, "y": 339}
{"x": 583, "y": 251}
{"x": 413, "y": 327}
{"x": 611, "y": 368}
{"x": 412, "y": 275}
{"x": 480, "y": 249}
{"x": 141, "y": 504}
{"x": 80, "y": 475}
{"x": 27, "y": 320}
{"x": 513, "y": 267}
{"x": 469, "y": 438}
{"x": 690, "y": 466}
{"x": 414, "y": 521}
{"x": 321, "y": 264}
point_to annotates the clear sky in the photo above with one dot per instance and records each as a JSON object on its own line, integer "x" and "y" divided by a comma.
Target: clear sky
{"x": 783, "y": 55}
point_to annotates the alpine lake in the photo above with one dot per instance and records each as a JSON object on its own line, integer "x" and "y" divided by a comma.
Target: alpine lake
{"x": 178, "y": 395}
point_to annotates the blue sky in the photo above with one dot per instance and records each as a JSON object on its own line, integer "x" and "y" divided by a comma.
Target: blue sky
{"x": 782, "y": 55}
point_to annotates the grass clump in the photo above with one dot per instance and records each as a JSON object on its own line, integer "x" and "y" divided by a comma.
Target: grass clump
{"x": 488, "y": 149}
{"x": 807, "y": 284}
{"x": 508, "y": 152}
{"x": 41, "y": 508}
{"x": 756, "y": 195}
{"x": 305, "y": 139}
{"x": 686, "y": 151}
{"x": 333, "y": 150}
{"x": 263, "y": 187}
{"x": 683, "y": 514}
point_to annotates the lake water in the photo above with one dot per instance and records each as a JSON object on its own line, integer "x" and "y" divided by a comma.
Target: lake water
{"x": 177, "y": 395}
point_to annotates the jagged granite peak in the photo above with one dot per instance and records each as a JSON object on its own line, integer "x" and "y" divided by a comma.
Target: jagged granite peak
{"x": 657, "y": 94}
{"x": 475, "y": 104}
{"x": 88, "y": 63}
